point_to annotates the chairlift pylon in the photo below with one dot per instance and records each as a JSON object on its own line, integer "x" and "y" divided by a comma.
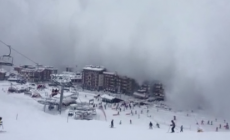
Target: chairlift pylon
{"x": 7, "y": 60}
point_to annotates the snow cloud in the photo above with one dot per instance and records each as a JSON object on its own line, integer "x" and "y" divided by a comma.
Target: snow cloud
{"x": 184, "y": 44}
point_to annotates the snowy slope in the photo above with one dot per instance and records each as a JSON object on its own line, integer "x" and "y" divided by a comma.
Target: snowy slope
{"x": 24, "y": 119}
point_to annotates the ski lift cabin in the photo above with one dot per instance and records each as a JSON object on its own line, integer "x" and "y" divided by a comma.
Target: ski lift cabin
{"x": 7, "y": 60}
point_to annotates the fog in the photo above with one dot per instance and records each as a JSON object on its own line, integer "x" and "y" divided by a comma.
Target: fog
{"x": 184, "y": 44}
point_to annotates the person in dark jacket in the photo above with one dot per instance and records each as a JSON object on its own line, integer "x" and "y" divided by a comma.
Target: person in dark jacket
{"x": 158, "y": 125}
{"x": 173, "y": 126}
{"x": 1, "y": 121}
{"x": 181, "y": 128}
{"x": 112, "y": 124}
{"x": 150, "y": 125}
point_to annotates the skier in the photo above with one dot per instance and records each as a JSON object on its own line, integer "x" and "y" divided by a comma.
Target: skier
{"x": 130, "y": 121}
{"x": 1, "y": 122}
{"x": 120, "y": 123}
{"x": 174, "y": 118}
{"x": 112, "y": 124}
{"x": 150, "y": 125}
{"x": 216, "y": 129}
{"x": 158, "y": 125}
{"x": 220, "y": 126}
{"x": 173, "y": 126}
{"x": 181, "y": 128}
{"x": 208, "y": 123}
{"x": 211, "y": 123}
{"x": 105, "y": 106}
{"x": 226, "y": 126}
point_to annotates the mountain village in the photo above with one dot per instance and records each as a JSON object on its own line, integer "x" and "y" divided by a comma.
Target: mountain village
{"x": 93, "y": 78}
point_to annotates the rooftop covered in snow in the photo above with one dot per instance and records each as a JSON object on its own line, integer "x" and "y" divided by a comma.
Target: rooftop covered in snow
{"x": 108, "y": 97}
{"x": 94, "y": 68}
{"x": 36, "y": 69}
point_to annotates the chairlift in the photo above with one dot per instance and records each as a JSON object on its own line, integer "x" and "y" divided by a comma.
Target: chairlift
{"x": 7, "y": 60}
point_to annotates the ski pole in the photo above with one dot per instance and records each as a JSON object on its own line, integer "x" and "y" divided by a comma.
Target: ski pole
{"x": 168, "y": 129}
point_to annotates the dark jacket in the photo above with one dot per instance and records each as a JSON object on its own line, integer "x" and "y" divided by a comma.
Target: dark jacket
{"x": 173, "y": 124}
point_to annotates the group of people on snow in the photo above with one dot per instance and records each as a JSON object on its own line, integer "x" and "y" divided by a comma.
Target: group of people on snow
{"x": 173, "y": 125}
{"x": 151, "y": 125}
{"x": 218, "y": 127}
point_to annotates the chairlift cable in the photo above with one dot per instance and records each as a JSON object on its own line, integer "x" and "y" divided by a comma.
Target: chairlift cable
{"x": 18, "y": 52}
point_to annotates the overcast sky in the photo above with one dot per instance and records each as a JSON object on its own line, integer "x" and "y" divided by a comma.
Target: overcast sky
{"x": 183, "y": 43}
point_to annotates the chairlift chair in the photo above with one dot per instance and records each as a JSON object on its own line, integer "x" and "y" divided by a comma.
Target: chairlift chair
{"x": 7, "y": 60}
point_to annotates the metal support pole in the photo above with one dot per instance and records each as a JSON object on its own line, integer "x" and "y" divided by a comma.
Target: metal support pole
{"x": 61, "y": 98}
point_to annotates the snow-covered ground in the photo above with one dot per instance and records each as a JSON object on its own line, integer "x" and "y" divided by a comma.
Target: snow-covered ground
{"x": 24, "y": 119}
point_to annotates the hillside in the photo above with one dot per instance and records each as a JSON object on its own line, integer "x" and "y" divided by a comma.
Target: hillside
{"x": 24, "y": 119}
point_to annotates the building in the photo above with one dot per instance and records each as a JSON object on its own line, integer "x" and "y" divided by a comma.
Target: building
{"x": 118, "y": 84}
{"x": 20, "y": 68}
{"x": 141, "y": 94}
{"x": 97, "y": 78}
{"x": 158, "y": 91}
{"x": 126, "y": 85}
{"x": 2, "y": 74}
{"x": 145, "y": 87}
{"x": 110, "y": 99}
{"x": 92, "y": 77}
{"x": 69, "y": 69}
{"x": 35, "y": 74}
{"x": 67, "y": 77}
{"x": 77, "y": 79}
{"x": 110, "y": 82}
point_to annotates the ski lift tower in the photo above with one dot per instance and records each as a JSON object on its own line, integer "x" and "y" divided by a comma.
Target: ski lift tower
{"x": 61, "y": 98}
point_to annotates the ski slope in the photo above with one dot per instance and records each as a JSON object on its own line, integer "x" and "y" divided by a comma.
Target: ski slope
{"x": 24, "y": 119}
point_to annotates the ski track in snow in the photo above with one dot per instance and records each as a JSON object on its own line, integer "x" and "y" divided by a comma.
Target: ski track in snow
{"x": 24, "y": 119}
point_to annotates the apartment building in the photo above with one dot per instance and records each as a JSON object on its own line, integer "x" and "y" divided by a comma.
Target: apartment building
{"x": 126, "y": 85}
{"x": 92, "y": 77}
{"x": 35, "y": 74}
{"x": 158, "y": 90}
{"x": 110, "y": 82}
